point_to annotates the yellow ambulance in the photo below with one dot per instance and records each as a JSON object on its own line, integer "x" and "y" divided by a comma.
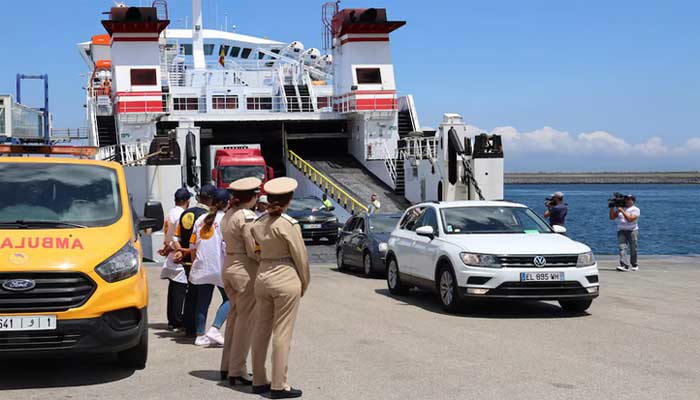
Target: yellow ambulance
{"x": 71, "y": 275}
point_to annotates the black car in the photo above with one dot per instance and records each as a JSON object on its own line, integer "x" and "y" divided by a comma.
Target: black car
{"x": 363, "y": 242}
{"x": 315, "y": 223}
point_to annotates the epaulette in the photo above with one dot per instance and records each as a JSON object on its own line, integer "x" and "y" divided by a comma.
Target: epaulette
{"x": 249, "y": 215}
{"x": 290, "y": 219}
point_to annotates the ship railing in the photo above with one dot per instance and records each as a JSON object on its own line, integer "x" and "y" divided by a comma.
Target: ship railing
{"x": 127, "y": 154}
{"x": 351, "y": 103}
{"x": 327, "y": 185}
{"x": 226, "y": 104}
{"x": 69, "y": 134}
{"x": 419, "y": 147}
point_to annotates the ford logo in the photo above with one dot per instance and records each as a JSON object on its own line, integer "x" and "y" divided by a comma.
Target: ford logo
{"x": 539, "y": 261}
{"x": 19, "y": 285}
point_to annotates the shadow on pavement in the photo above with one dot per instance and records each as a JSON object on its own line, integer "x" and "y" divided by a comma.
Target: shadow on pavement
{"x": 486, "y": 308}
{"x": 214, "y": 375}
{"x": 56, "y": 373}
{"x": 161, "y": 331}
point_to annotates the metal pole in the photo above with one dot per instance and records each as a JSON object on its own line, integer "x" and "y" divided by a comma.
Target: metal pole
{"x": 47, "y": 131}
{"x": 19, "y": 88}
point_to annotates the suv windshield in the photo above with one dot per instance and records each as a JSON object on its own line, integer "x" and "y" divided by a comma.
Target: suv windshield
{"x": 461, "y": 220}
{"x": 305, "y": 204}
{"x": 384, "y": 224}
{"x": 234, "y": 173}
{"x": 58, "y": 195}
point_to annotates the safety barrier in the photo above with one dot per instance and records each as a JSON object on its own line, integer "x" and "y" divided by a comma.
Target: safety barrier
{"x": 331, "y": 188}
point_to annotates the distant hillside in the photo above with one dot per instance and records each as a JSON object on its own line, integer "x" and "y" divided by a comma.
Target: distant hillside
{"x": 692, "y": 177}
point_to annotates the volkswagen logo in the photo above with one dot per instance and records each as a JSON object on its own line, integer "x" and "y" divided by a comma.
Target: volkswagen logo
{"x": 18, "y": 285}
{"x": 539, "y": 261}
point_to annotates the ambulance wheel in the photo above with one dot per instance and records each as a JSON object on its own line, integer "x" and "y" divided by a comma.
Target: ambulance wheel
{"x": 137, "y": 356}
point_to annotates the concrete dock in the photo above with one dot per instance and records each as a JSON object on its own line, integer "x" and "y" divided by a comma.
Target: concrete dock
{"x": 640, "y": 340}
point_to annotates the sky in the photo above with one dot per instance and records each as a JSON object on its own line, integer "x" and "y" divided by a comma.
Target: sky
{"x": 578, "y": 85}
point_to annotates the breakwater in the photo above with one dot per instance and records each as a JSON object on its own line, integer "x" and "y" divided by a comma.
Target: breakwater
{"x": 690, "y": 177}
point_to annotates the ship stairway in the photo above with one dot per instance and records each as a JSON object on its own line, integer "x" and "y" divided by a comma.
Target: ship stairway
{"x": 298, "y": 98}
{"x": 347, "y": 182}
{"x": 305, "y": 97}
{"x": 405, "y": 123}
{"x": 400, "y": 178}
{"x": 106, "y": 130}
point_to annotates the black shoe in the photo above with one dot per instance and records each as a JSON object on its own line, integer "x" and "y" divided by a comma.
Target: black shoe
{"x": 235, "y": 380}
{"x": 285, "y": 394}
{"x": 224, "y": 375}
{"x": 260, "y": 389}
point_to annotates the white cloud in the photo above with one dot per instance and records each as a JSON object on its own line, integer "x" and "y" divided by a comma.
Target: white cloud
{"x": 591, "y": 150}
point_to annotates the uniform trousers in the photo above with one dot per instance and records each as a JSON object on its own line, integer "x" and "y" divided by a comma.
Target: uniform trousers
{"x": 277, "y": 293}
{"x": 239, "y": 284}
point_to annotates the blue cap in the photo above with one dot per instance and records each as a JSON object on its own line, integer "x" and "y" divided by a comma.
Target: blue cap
{"x": 221, "y": 196}
{"x": 207, "y": 191}
{"x": 182, "y": 194}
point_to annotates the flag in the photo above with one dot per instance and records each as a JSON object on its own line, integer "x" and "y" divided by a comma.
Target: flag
{"x": 222, "y": 56}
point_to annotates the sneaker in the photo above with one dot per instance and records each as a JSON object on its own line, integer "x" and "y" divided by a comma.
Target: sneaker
{"x": 635, "y": 268}
{"x": 215, "y": 336}
{"x": 623, "y": 268}
{"x": 202, "y": 341}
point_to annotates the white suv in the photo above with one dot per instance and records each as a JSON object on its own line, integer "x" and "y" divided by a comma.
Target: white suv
{"x": 489, "y": 249}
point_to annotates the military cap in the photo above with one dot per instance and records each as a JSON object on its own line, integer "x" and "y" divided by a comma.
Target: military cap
{"x": 245, "y": 184}
{"x": 282, "y": 185}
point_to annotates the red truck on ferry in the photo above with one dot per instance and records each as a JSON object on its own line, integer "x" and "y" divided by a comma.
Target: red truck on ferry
{"x": 232, "y": 162}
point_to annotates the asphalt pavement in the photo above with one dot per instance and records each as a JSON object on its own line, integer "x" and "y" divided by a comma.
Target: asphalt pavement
{"x": 354, "y": 340}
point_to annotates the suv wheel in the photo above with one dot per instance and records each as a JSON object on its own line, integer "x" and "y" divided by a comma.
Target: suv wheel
{"x": 575, "y": 306}
{"x": 393, "y": 279}
{"x": 367, "y": 264}
{"x": 448, "y": 290}
{"x": 340, "y": 259}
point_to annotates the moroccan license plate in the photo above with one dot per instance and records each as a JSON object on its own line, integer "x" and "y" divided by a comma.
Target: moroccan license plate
{"x": 312, "y": 226}
{"x": 541, "y": 276}
{"x": 28, "y": 323}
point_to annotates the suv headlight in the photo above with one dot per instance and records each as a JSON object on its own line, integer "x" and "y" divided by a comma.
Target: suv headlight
{"x": 123, "y": 264}
{"x": 480, "y": 260}
{"x": 383, "y": 247}
{"x": 585, "y": 260}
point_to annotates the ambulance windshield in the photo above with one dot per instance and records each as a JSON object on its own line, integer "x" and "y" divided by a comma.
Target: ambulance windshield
{"x": 47, "y": 195}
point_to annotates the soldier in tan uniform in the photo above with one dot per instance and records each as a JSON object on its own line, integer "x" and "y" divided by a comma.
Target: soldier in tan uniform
{"x": 240, "y": 269}
{"x": 283, "y": 278}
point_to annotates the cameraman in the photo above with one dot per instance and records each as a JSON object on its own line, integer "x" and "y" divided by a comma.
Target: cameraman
{"x": 627, "y": 232}
{"x": 556, "y": 209}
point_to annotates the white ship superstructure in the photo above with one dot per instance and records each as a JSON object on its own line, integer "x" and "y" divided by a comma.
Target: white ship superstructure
{"x": 158, "y": 98}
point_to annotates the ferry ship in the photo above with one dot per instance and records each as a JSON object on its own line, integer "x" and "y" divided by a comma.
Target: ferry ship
{"x": 162, "y": 100}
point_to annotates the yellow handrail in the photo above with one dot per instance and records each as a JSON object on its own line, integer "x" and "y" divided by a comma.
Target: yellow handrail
{"x": 333, "y": 190}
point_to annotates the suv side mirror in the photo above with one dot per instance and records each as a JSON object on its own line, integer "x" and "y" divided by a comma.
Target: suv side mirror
{"x": 426, "y": 231}
{"x": 153, "y": 217}
{"x": 559, "y": 229}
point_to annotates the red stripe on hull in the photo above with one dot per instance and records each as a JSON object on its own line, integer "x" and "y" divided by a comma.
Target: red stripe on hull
{"x": 155, "y": 106}
{"x": 365, "y": 39}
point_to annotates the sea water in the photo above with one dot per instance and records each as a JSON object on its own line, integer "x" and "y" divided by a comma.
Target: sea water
{"x": 669, "y": 221}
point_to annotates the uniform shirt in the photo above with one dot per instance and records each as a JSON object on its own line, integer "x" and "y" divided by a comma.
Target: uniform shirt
{"x": 279, "y": 237}
{"x": 235, "y": 228}
{"x": 327, "y": 203}
{"x": 172, "y": 270}
{"x": 185, "y": 226}
{"x": 209, "y": 261}
{"x": 623, "y": 224}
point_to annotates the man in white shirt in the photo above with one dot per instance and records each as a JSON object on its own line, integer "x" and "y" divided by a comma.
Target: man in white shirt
{"x": 627, "y": 233}
{"x": 173, "y": 271}
{"x": 374, "y": 204}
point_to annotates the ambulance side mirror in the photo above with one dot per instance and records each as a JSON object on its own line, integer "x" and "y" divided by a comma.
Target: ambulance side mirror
{"x": 153, "y": 217}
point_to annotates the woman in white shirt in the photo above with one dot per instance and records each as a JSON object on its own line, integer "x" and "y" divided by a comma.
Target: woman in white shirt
{"x": 208, "y": 254}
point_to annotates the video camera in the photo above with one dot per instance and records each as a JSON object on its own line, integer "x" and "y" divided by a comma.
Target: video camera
{"x": 618, "y": 200}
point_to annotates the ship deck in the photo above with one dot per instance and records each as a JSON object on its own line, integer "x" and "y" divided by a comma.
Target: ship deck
{"x": 355, "y": 341}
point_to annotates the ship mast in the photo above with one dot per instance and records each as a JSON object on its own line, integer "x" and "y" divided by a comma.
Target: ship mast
{"x": 197, "y": 35}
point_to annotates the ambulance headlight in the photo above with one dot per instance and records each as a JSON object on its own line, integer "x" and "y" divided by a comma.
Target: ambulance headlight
{"x": 122, "y": 265}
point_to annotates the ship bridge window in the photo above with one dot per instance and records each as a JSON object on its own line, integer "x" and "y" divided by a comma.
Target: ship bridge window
{"x": 186, "y": 49}
{"x": 208, "y": 49}
{"x": 261, "y": 55}
{"x": 276, "y": 51}
{"x": 368, "y": 76}
{"x": 259, "y": 103}
{"x": 185, "y": 103}
{"x": 224, "y": 102}
{"x": 143, "y": 77}
{"x": 246, "y": 53}
{"x": 235, "y": 51}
